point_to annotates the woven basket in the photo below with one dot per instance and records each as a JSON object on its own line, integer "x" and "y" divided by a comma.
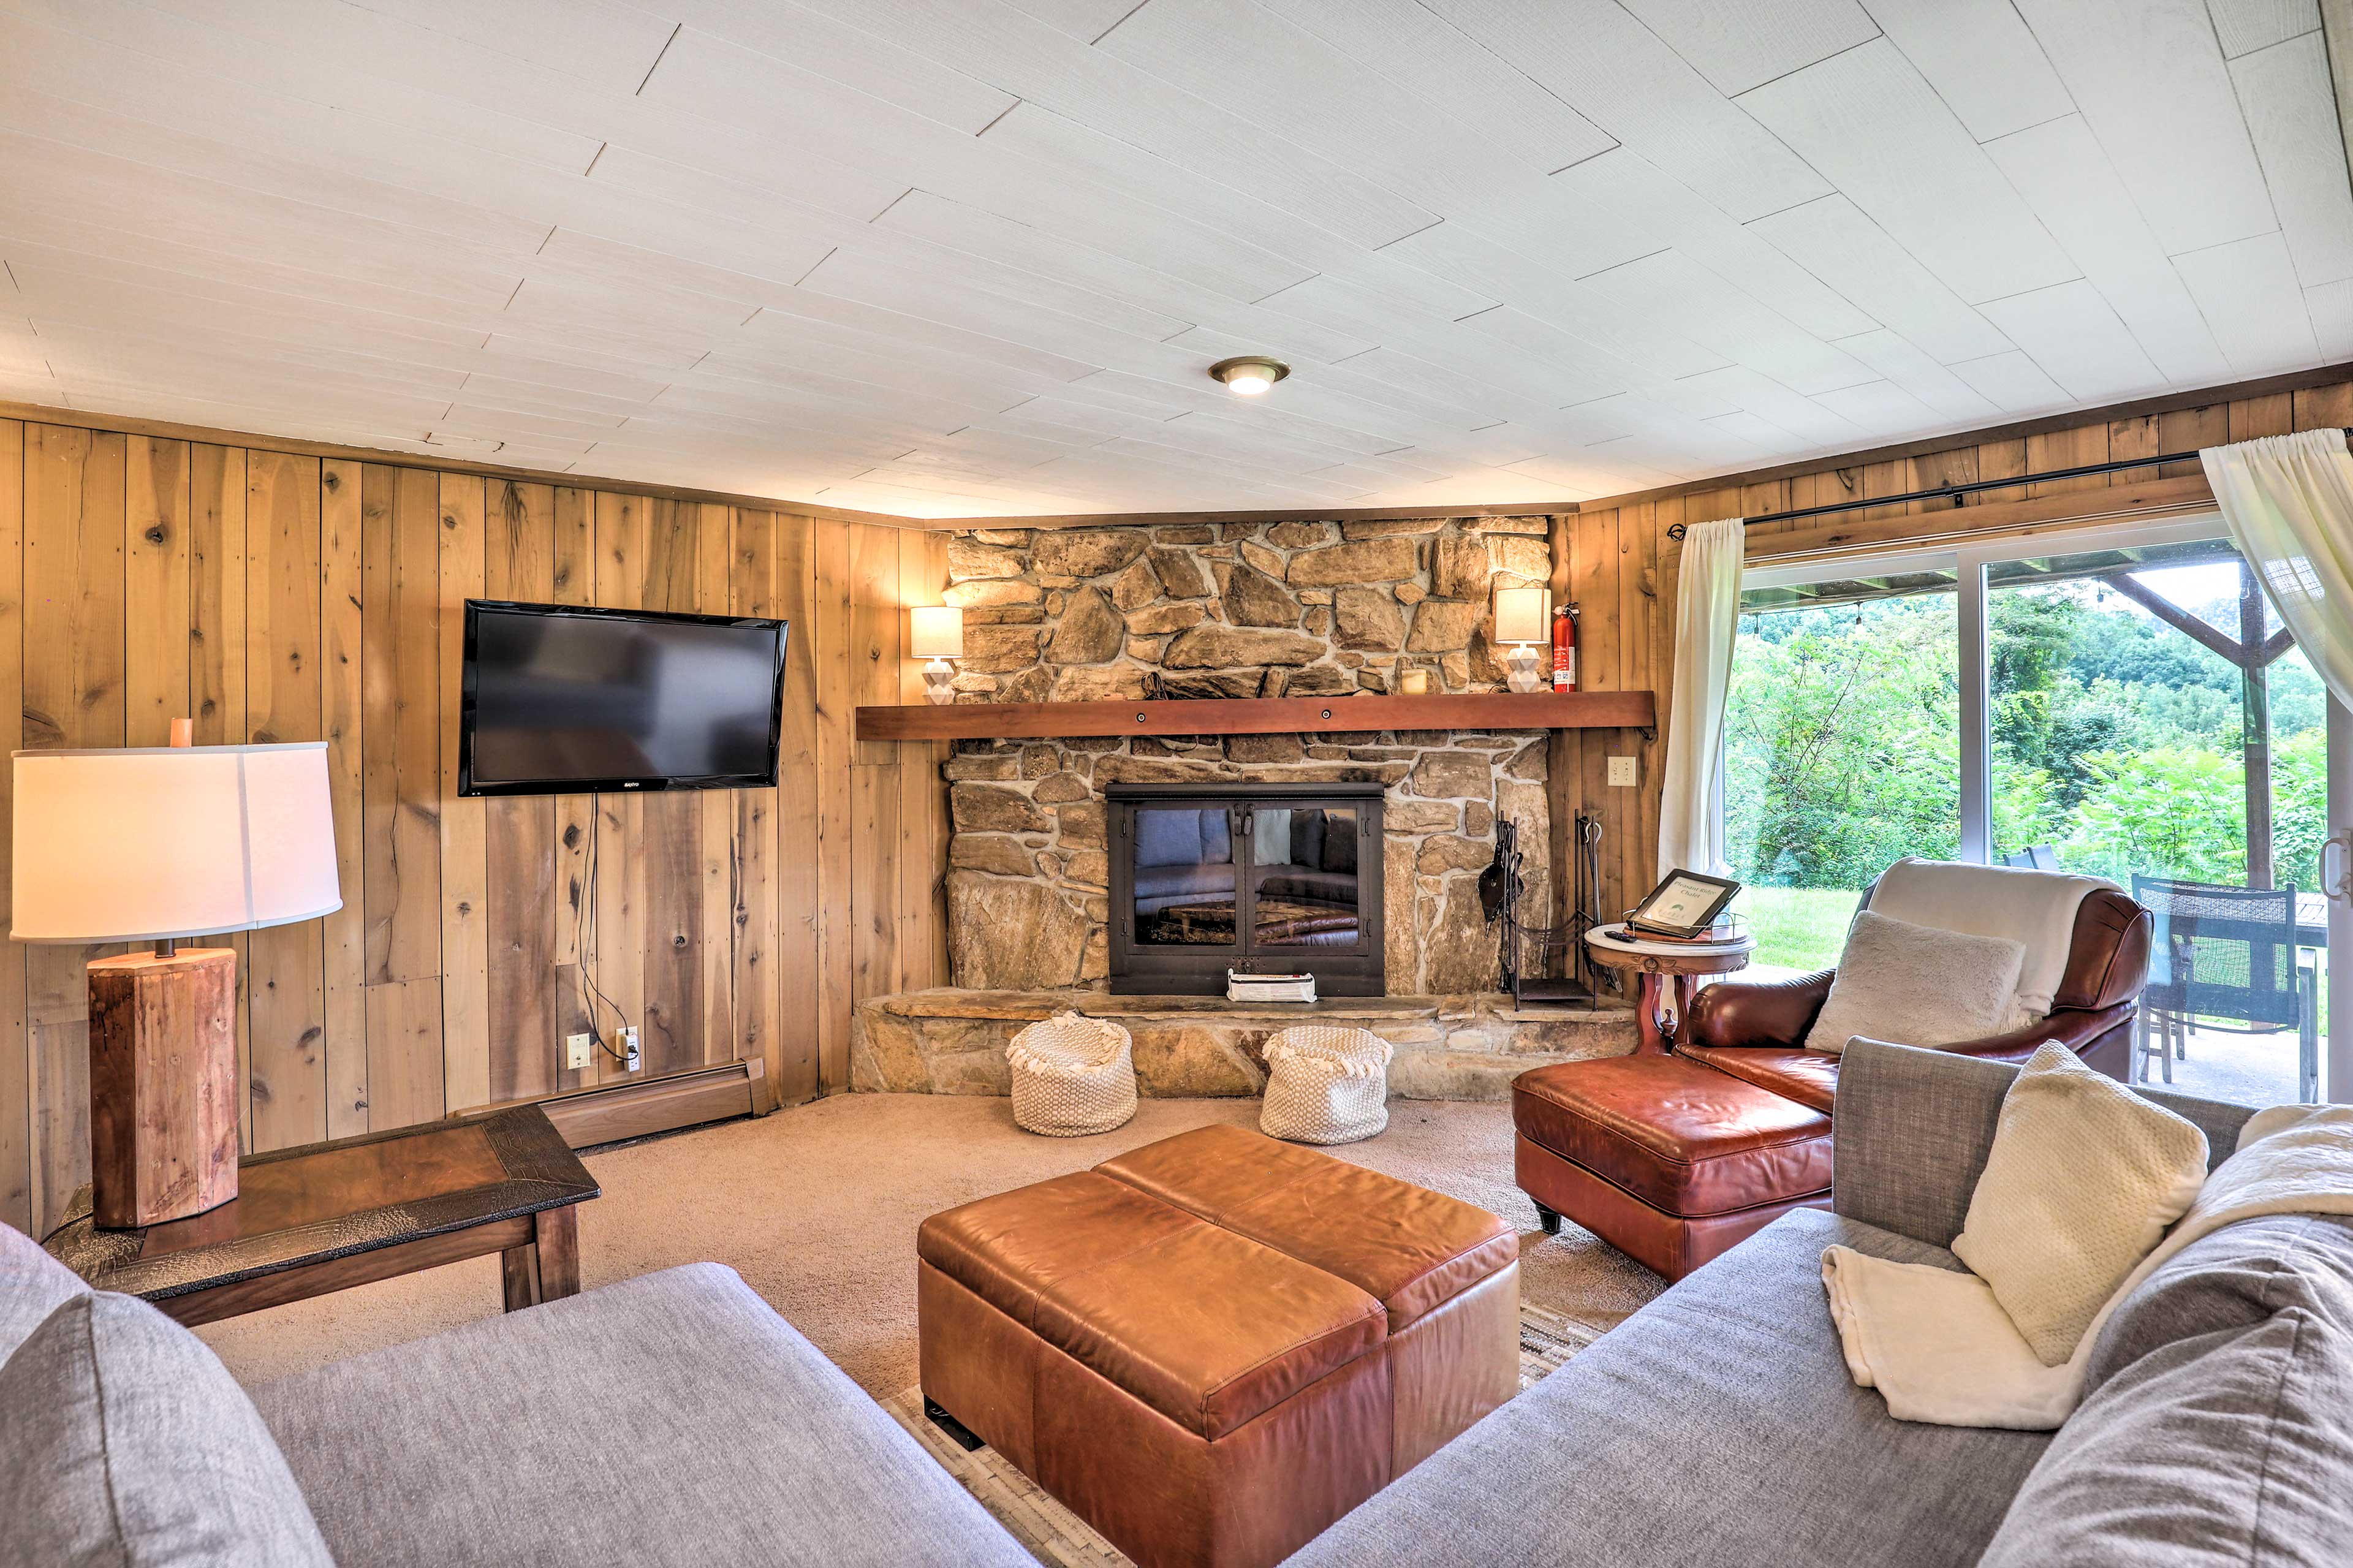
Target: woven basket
{"x": 1326, "y": 1085}
{"x": 1072, "y": 1076}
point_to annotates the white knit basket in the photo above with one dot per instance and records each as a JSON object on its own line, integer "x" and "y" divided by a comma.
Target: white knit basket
{"x": 1072, "y": 1076}
{"x": 1326, "y": 1085}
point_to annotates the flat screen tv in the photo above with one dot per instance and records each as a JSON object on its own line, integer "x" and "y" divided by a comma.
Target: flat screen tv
{"x": 563, "y": 699}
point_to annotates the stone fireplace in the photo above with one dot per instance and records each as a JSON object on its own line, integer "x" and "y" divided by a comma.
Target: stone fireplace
{"x": 1236, "y": 610}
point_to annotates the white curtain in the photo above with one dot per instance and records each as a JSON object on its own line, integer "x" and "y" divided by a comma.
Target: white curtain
{"x": 2288, "y": 500}
{"x": 1707, "y": 617}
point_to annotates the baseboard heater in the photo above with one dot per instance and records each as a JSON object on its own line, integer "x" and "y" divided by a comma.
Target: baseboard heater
{"x": 608, "y": 1113}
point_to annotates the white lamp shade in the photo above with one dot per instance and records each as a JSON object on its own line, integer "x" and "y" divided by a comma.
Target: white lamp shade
{"x": 935, "y": 632}
{"x": 146, "y": 843}
{"x": 1523, "y": 614}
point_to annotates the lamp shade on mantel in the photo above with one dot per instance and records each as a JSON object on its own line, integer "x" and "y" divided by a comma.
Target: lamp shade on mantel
{"x": 152, "y": 844}
{"x": 936, "y": 631}
{"x": 1523, "y": 614}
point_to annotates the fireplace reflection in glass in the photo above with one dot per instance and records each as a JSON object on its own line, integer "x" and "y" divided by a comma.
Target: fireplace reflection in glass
{"x": 1305, "y": 860}
{"x": 1185, "y": 877}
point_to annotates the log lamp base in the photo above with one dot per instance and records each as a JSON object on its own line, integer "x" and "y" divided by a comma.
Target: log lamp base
{"x": 163, "y": 1085}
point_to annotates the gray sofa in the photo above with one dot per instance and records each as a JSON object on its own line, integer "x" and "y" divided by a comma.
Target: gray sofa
{"x": 1719, "y": 1426}
{"x": 673, "y": 1418}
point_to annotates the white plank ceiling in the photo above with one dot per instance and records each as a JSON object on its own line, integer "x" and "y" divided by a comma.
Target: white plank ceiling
{"x": 965, "y": 258}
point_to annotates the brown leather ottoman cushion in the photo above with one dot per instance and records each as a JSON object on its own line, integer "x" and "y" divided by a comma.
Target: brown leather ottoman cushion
{"x": 1676, "y": 1133}
{"x": 1410, "y": 1248}
{"x": 1008, "y": 1248}
{"x": 1207, "y": 1327}
{"x": 1810, "y": 1077}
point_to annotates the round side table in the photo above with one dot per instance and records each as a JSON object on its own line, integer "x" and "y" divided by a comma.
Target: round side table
{"x": 1614, "y": 947}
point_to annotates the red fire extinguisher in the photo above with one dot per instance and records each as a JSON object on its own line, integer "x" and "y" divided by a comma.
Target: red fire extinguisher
{"x": 1563, "y": 648}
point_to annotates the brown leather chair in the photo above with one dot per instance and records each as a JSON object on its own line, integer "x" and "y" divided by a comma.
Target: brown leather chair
{"x": 1676, "y": 1157}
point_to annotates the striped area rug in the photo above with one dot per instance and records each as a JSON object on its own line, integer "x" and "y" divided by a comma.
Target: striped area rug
{"x": 1060, "y": 1539}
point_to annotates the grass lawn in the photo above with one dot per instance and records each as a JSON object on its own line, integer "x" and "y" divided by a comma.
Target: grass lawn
{"x": 1798, "y": 928}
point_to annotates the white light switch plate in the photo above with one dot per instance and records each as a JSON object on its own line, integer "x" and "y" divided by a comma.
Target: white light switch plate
{"x": 1622, "y": 772}
{"x": 577, "y": 1052}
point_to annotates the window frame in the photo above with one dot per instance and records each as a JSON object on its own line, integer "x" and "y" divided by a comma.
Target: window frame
{"x": 1969, "y": 563}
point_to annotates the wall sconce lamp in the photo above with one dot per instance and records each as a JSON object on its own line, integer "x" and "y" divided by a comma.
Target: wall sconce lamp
{"x": 936, "y": 633}
{"x": 1523, "y": 619}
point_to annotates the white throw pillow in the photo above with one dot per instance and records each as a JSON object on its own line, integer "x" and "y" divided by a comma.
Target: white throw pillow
{"x": 2082, "y": 1181}
{"x": 1916, "y": 985}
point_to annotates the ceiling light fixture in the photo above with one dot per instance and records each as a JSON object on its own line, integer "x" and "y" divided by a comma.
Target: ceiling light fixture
{"x": 1249, "y": 375}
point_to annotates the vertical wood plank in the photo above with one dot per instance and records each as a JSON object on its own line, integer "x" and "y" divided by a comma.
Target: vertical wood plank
{"x": 875, "y": 618}
{"x": 2068, "y": 448}
{"x": 344, "y": 935}
{"x": 828, "y": 618}
{"x": 217, "y": 560}
{"x": 15, "y": 1057}
{"x": 465, "y": 947}
{"x": 287, "y": 963}
{"x": 613, "y": 934}
{"x": 574, "y": 582}
{"x": 753, "y": 574}
{"x": 714, "y": 813}
{"x": 73, "y": 696}
{"x": 526, "y": 1050}
{"x": 668, "y": 842}
{"x": 923, "y": 793}
{"x": 798, "y": 978}
{"x": 159, "y": 600}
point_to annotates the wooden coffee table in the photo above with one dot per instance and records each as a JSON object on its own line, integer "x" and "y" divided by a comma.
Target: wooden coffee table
{"x": 326, "y": 1216}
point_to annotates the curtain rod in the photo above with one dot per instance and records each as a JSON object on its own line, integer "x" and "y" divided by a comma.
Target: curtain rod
{"x": 1955, "y": 491}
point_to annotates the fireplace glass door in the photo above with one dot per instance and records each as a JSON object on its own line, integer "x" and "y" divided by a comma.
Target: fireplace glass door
{"x": 1255, "y": 878}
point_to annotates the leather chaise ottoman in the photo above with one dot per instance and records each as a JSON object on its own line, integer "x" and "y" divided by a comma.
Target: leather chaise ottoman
{"x": 1214, "y": 1346}
{"x": 1668, "y": 1159}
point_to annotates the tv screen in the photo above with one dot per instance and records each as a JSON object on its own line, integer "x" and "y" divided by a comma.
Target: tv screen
{"x": 559, "y": 700}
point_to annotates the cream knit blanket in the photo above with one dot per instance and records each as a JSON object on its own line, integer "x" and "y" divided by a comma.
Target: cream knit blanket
{"x": 1939, "y": 1348}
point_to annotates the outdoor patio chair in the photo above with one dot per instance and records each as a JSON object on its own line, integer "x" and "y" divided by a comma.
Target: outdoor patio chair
{"x": 2226, "y": 957}
{"x": 2042, "y": 858}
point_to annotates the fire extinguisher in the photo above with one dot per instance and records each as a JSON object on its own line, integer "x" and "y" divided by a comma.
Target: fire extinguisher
{"x": 1563, "y": 648}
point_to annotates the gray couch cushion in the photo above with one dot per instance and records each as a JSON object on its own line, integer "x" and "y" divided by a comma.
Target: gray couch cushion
{"x": 673, "y": 1418}
{"x": 2220, "y": 1423}
{"x": 1717, "y": 1425}
{"x": 32, "y": 1286}
{"x": 2228, "y": 1448}
{"x": 128, "y": 1445}
{"x": 2233, "y": 1278}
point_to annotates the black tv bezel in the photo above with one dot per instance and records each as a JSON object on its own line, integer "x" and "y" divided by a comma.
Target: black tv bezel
{"x": 765, "y": 779}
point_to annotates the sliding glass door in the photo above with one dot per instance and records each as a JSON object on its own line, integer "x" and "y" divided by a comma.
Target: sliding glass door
{"x": 2125, "y": 705}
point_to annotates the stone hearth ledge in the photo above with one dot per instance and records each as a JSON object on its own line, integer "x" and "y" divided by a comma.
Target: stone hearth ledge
{"x": 951, "y": 1041}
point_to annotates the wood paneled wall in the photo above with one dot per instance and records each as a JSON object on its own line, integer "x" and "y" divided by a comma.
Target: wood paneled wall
{"x": 1619, "y": 567}
{"x": 287, "y": 597}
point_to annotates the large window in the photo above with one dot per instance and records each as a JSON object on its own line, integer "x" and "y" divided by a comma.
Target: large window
{"x": 1843, "y": 741}
{"x": 2130, "y": 709}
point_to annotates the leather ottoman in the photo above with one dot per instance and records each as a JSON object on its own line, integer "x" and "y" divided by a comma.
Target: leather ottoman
{"x": 1214, "y": 1346}
{"x": 1667, "y": 1159}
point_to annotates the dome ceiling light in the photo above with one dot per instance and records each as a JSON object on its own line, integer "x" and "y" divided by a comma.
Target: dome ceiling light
{"x": 1249, "y": 374}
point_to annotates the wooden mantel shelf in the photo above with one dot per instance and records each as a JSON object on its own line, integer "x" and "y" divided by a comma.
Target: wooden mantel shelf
{"x": 1262, "y": 715}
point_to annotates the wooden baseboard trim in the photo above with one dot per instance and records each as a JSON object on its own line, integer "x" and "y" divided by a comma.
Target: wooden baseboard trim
{"x": 612, "y": 1112}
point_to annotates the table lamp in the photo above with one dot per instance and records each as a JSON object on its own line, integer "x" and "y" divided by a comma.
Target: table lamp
{"x": 935, "y": 632}
{"x": 155, "y": 843}
{"x": 1523, "y": 620}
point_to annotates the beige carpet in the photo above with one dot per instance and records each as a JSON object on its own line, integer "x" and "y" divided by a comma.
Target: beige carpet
{"x": 817, "y": 1207}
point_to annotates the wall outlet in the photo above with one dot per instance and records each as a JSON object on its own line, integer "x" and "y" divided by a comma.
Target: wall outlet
{"x": 579, "y": 1051}
{"x": 631, "y": 1060}
{"x": 1623, "y": 774}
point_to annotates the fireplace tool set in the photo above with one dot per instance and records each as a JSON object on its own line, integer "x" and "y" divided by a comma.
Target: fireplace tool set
{"x": 1528, "y": 952}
